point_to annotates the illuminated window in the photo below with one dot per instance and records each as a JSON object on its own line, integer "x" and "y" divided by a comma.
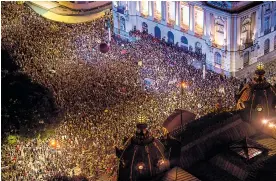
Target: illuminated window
{"x": 219, "y": 31}
{"x": 145, "y": 8}
{"x": 184, "y": 15}
{"x": 198, "y": 20}
{"x": 157, "y": 10}
{"x": 171, "y": 12}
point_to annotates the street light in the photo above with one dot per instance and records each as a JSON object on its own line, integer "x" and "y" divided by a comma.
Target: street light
{"x": 271, "y": 125}
{"x": 264, "y": 121}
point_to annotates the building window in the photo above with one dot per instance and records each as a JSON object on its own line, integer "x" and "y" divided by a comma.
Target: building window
{"x": 184, "y": 15}
{"x": 246, "y": 33}
{"x": 266, "y": 25}
{"x": 219, "y": 31}
{"x": 171, "y": 12}
{"x": 170, "y": 37}
{"x": 266, "y": 46}
{"x": 246, "y": 59}
{"x": 217, "y": 59}
{"x": 184, "y": 40}
{"x": 274, "y": 18}
{"x": 198, "y": 20}
{"x": 157, "y": 32}
{"x": 157, "y": 10}
{"x": 267, "y": 7}
{"x": 274, "y": 42}
{"x": 184, "y": 43}
{"x": 145, "y": 8}
{"x": 198, "y": 48}
{"x": 122, "y": 23}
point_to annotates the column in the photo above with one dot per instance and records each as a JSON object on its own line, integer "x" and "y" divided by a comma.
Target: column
{"x": 177, "y": 13}
{"x": 204, "y": 22}
{"x": 228, "y": 40}
{"x": 225, "y": 30}
{"x": 258, "y": 22}
{"x": 208, "y": 23}
{"x": 150, "y": 8}
{"x": 164, "y": 11}
{"x": 192, "y": 18}
{"x": 262, "y": 20}
{"x": 212, "y": 26}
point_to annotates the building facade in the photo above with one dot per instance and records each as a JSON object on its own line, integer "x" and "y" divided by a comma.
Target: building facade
{"x": 233, "y": 35}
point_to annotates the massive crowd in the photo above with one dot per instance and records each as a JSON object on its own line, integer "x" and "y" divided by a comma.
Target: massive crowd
{"x": 101, "y": 95}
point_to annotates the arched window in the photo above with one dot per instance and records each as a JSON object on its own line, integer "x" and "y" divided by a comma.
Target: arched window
{"x": 145, "y": 27}
{"x": 217, "y": 59}
{"x": 198, "y": 48}
{"x": 122, "y": 23}
{"x": 170, "y": 37}
{"x": 266, "y": 46}
{"x": 184, "y": 43}
{"x": 184, "y": 40}
{"x": 275, "y": 43}
{"x": 157, "y": 32}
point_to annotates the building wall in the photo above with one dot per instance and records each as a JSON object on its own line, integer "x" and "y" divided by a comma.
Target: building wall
{"x": 233, "y": 36}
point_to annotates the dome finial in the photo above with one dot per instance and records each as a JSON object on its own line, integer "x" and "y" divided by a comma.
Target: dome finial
{"x": 260, "y": 66}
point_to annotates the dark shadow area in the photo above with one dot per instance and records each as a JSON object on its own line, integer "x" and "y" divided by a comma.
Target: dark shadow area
{"x": 66, "y": 178}
{"x": 27, "y": 107}
{"x": 268, "y": 171}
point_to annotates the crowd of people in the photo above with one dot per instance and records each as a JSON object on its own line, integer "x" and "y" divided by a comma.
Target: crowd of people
{"x": 101, "y": 95}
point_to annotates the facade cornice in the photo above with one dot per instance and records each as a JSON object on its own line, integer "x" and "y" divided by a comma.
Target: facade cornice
{"x": 248, "y": 11}
{"x": 236, "y": 10}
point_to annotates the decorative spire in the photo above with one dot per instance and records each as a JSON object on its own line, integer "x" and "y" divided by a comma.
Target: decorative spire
{"x": 259, "y": 73}
{"x": 260, "y": 66}
{"x": 142, "y": 119}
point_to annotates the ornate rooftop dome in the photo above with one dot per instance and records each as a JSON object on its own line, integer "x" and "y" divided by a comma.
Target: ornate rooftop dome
{"x": 257, "y": 99}
{"x": 142, "y": 157}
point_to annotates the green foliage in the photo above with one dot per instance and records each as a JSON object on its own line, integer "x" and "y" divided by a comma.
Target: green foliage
{"x": 20, "y": 2}
{"x": 12, "y": 139}
{"x": 46, "y": 134}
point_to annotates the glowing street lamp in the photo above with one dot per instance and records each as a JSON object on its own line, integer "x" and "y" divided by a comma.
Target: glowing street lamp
{"x": 271, "y": 125}
{"x": 184, "y": 85}
{"x": 264, "y": 121}
{"x": 140, "y": 166}
{"x": 53, "y": 143}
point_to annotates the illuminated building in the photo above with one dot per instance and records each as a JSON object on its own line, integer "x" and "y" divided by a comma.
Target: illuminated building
{"x": 233, "y": 35}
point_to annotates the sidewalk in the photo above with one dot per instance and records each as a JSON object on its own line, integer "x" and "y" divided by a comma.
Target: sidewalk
{"x": 56, "y": 12}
